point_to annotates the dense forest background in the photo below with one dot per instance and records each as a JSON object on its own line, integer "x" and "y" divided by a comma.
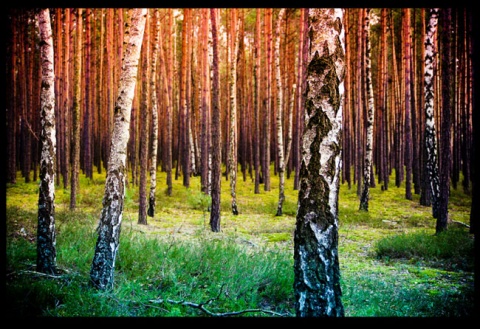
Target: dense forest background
{"x": 265, "y": 51}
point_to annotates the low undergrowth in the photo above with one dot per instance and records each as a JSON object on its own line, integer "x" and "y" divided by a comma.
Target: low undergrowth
{"x": 391, "y": 262}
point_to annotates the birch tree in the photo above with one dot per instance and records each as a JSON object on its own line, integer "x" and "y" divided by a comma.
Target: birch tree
{"x": 103, "y": 265}
{"x": 370, "y": 117}
{"x": 430, "y": 134}
{"x": 279, "y": 118}
{"x": 153, "y": 101}
{"x": 46, "y": 236}
{"x": 232, "y": 151}
{"x": 316, "y": 267}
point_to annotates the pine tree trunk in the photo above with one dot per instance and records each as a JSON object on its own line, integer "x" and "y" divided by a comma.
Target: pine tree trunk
{"x": 103, "y": 265}
{"x": 408, "y": 102}
{"x": 46, "y": 235}
{"x": 74, "y": 182}
{"x": 447, "y": 110}
{"x": 11, "y": 92}
{"x": 167, "y": 76}
{"x": 268, "y": 107}
{"x": 301, "y": 74}
{"x": 317, "y": 288}
{"x": 205, "y": 133}
{"x": 257, "y": 97}
{"x": 216, "y": 131}
{"x": 144, "y": 126}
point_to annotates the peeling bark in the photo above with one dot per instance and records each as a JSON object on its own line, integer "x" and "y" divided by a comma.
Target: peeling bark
{"x": 316, "y": 267}
{"x": 232, "y": 153}
{"x": 46, "y": 236}
{"x": 103, "y": 265}
{"x": 153, "y": 100}
{"x": 279, "y": 118}
{"x": 430, "y": 135}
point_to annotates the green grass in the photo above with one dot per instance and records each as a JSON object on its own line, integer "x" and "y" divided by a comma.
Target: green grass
{"x": 391, "y": 262}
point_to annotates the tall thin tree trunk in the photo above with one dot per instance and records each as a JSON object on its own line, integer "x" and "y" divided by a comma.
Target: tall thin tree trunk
{"x": 154, "y": 104}
{"x": 74, "y": 182}
{"x": 144, "y": 126}
{"x": 279, "y": 118}
{"x": 301, "y": 73}
{"x": 257, "y": 99}
{"x": 232, "y": 153}
{"x": 447, "y": 110}
{"x": 268, "y": 107}
{"x": 46, "y": 235}
{"x": 408, "y": 103}
{"x": 430, "y": 134}
{"x": 205, "y": 133}
{"x": 364, "y": 199}
{"x": 216, "y": 131}
{"x": 167, "y": 76}
{"x": 106, "y": 249}
{"x": 359, "y": 103}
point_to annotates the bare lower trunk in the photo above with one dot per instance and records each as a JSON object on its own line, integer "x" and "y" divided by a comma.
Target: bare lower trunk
{"x": 46, "y": 239}
{"x": 216, "y": 132}
{"x": 316, "y": 267}
{"x": 153, "y": 90}
{"x": 430, "y": 135}
{"x": 278, "y": 77}
{"x": 103, "y": 265}
{"x": 370, "y": 120}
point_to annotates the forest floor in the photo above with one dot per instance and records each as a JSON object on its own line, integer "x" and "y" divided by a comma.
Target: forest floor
{"x": 184, "y": 216}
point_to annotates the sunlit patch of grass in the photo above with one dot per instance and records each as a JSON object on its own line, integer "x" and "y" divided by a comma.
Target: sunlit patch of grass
{"x": 249, "y": 264}
{"x": 435, "y": 248}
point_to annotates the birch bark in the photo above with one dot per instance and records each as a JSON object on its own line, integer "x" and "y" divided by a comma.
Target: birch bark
{"x": 46, "y": 236}
{"x": 316, "y": 267}
{"x": 106, "y": 249}
{"x": 430, "y": 134}
{"x": 370, "y": 117}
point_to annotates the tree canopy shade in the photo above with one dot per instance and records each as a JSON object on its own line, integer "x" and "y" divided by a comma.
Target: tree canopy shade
{"x": 316, "y": 266}
{"x": 106, "y": 249}
{"x": 46, "y": 239}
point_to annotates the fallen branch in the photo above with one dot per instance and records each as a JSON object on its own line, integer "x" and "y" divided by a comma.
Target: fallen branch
{"x": 461, "y": 223}
{"x": 42, "y": 274}
{"x": 202, "y": 307}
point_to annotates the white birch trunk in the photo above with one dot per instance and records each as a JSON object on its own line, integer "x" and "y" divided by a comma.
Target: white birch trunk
{"x": 232, "y": 154}
{"x": 367, "y": 167}
{"x": 46, "y": 236}
{"x": 103, "y": 265}
{"x": 153, "y": 91}
{"x": 430, "y": 134}
{"x": 279, "y": 118}
{"x": 317, "y": 288}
